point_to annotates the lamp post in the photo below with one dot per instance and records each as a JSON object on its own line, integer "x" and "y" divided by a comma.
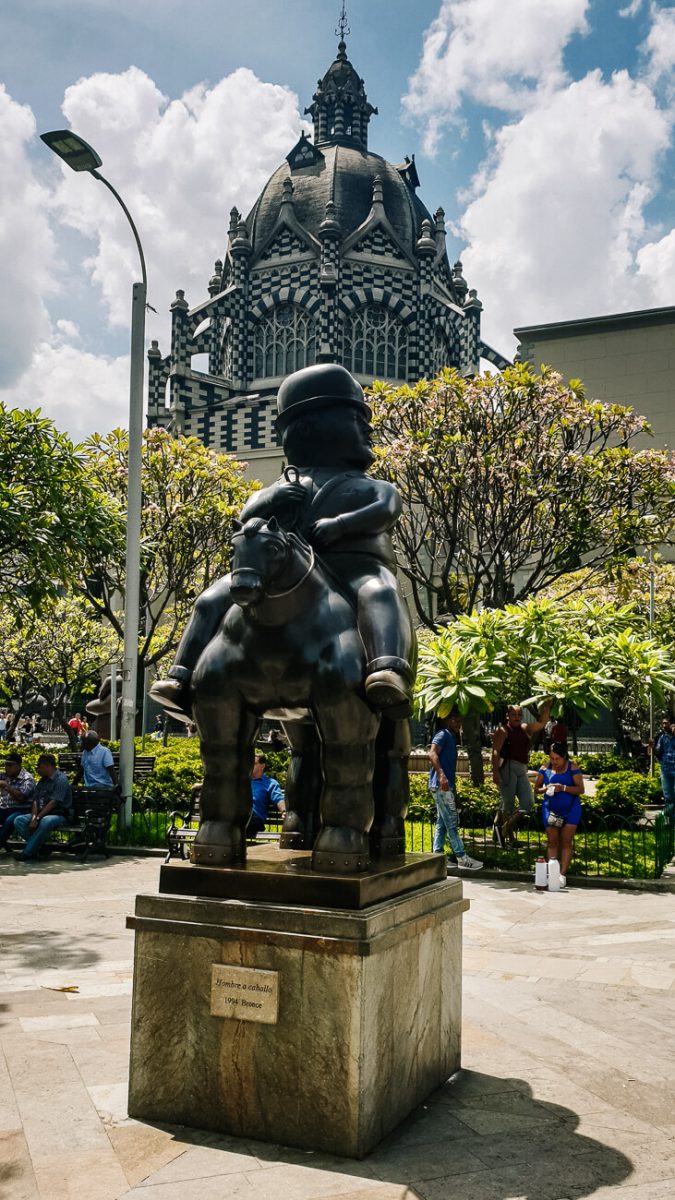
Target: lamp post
{"x": 74, "y": 151}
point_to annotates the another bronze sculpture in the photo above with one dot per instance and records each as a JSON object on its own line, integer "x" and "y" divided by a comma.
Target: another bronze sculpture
{"x": 309, "y": 626}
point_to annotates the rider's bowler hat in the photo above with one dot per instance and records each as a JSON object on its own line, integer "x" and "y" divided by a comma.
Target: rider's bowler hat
{"x": 318, "y": 387}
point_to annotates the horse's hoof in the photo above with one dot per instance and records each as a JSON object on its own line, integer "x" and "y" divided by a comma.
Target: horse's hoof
{"x": 388, "y": 839}
{"x": 341, "y": 851}
{"x": 391, "y": 693}
{"x": 218, "y": 844}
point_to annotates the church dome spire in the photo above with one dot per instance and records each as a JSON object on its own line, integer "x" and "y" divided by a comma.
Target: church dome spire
{"x": 340, "y": 109}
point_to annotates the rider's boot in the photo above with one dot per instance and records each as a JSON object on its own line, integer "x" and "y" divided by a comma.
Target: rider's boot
{"x": 339, "y": 850}
{"x": 389, "y": 687}
{"x": 173, "y": 693}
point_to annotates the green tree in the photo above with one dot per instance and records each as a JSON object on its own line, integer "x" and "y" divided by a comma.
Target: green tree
{"x": 51, "y": 514}
{"x": 49, "y": 656}
{"x": 191, "y": 495}
{"x": 510, "y": 481}
{"x": 583, "y": 655}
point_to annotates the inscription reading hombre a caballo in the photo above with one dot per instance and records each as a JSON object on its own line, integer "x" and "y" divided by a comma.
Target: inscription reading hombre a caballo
{"x": 244, "y": 994}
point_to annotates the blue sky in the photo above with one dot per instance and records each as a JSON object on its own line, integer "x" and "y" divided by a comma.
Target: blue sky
{"x": 543, "y": 127}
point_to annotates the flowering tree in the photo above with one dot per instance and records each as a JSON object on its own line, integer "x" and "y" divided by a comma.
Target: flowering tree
{"x": 190, "y": 496}
{"x": 582, "y": 655}
{"x": 51, "y": 513}
{"x": 510, "y": 481}
{"x": 46, "y": 658}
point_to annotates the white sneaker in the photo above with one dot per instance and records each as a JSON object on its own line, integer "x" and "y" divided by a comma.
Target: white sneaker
{"x": 469, "y": 864}
{"x": 563, "y": 882}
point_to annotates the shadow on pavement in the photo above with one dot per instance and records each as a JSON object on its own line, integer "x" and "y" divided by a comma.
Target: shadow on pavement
{"x": 477, "y": 1138}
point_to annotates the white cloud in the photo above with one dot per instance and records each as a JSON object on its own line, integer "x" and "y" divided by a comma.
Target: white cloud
{"x": 26, "y": 243}
{"x": 79, "y": 391}
{"x": 180, "y": 165}
{"x": 632, "y": 9}
{"x": 557, "y": 225}
{"x": 494, "y": 53}
{"x": 660, "y": 46}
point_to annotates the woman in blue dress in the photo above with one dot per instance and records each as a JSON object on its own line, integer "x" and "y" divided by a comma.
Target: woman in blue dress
{"x": 562, "y": 784}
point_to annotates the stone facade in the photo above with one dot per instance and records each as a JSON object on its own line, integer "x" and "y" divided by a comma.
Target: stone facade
{"x": 338, "y": 261}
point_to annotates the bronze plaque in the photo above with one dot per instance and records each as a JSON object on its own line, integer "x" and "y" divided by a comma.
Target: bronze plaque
{"x": 244, "y": 994}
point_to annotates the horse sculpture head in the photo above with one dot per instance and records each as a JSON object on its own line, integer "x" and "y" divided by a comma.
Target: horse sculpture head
{"x": 262, "y": 555}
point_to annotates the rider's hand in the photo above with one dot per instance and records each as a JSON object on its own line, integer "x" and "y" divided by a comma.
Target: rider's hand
{"x": 287, "y": 492}
{"x": 326, "y": 531}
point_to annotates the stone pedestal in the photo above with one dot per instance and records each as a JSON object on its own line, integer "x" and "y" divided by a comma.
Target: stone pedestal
{"x": 342, "y": 1021}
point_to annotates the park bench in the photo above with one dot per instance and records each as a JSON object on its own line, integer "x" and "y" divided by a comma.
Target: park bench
{"x": 87, "y": 830}
{"x": 183, "y": 827}
{"x": 144, "y": 764}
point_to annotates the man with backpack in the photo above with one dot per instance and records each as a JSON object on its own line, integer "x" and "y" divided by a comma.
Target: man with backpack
{"x": 510, "y": 757}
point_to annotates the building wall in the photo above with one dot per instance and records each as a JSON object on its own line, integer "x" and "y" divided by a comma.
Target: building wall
{"x": 628, "y": 359}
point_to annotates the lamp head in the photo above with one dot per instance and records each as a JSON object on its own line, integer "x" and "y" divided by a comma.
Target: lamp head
{"x": 72, "y": 149}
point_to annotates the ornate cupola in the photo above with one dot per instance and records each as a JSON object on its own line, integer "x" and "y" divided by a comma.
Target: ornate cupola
{"x": 340, "y": 109}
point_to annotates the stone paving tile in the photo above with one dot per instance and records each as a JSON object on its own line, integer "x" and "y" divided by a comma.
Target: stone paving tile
{"x": 570, "y": 1092}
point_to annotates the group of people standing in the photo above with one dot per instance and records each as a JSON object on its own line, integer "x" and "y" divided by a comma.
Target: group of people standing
{"x": 561, "y": 783}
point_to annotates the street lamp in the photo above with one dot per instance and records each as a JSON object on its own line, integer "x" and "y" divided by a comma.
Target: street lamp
{"x": 74, "y": 151}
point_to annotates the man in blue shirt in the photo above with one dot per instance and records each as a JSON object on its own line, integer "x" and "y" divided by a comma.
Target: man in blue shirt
{"x": 264, "y": 791}
{"x": 96, "y": 763}
{"x": 442, "y": 776}
{"x": 52, "y": 807}
{"x": 665, "y": 753}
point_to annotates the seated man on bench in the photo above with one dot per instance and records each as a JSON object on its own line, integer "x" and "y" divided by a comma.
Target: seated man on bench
{"x": 52, "y": 807}
{"x": 264, "y": 791}
{"x": 96, "y": 763}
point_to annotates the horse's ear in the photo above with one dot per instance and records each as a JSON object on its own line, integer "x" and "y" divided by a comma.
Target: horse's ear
{"x": 273, "y": 525}
{"x": 237, "y": 525}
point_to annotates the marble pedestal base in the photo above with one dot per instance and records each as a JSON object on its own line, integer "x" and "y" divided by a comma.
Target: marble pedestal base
{"x": 367, "y": 1025}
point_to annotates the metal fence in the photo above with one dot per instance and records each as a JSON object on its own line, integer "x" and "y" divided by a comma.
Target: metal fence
{"x": 614, "y": 847}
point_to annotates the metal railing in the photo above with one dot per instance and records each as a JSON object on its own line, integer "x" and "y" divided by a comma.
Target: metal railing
{"x": 614, "y": 847}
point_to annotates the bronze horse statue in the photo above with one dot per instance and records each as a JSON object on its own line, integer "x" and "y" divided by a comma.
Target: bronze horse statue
{"x": 289, "y": 648}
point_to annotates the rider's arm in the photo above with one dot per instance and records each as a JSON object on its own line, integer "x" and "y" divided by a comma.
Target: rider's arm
{"x": 260, "y": 504}
{"x": 378, "y": 517}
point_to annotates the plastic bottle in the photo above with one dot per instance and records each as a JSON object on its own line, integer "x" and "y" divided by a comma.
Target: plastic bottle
{"x": 540, "y": 875}
{"x": 553, "y": 875}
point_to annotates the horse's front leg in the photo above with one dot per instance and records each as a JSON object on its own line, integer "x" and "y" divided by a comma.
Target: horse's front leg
{"x": 227, "y": 732}
{"x": 347, "y": 729}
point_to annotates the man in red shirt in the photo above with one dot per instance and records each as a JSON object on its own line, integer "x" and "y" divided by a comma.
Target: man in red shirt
{"x": 510, "y": 756}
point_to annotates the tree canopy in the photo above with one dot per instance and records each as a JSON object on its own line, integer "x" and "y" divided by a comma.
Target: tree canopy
{"x": 510, "y": 481}
{"x": 190, "y": 496}
{"x": 584, "y": 655}
{"x": 51, "y": 513}
{"x": 50, "y": 656}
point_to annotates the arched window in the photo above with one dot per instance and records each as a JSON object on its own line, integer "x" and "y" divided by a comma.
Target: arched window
{"x": 375, "y": 343}
{"x": 441, "y": 357}
{"x": 227, "y": 352}
{"x": 283, "y": 341}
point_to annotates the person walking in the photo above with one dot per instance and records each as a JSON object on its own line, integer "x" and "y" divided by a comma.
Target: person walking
{"x": 510, "y": 757}
{"x": 442, "y": 785}
{"x": 665, "y": 754}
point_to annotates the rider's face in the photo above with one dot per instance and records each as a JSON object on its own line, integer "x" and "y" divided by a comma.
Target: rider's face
{"x": 337, "y": 436}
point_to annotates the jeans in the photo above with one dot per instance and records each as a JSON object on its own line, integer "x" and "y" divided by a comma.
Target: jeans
{"x": 35, "y": 839}
{"x": 668, "y": 789}
{"x": 446, "y": 823}
{"x": 8, "y": 823}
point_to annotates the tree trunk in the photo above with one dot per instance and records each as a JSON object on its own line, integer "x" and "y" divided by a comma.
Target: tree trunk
{"x": 474, "y": 749}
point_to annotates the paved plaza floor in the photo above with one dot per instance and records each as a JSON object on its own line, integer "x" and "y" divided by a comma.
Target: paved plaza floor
{"x": 568, "y": 1087}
